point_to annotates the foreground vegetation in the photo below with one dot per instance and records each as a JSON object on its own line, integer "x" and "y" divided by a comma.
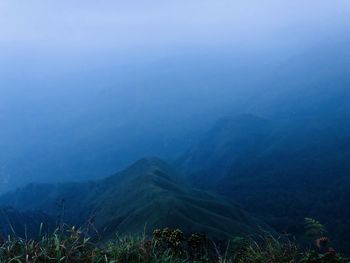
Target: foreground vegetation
{"x": 166, "y": 245}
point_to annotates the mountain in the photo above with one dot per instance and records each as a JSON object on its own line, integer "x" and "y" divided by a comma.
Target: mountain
{"x": 280, "y": 170}
{"x": 230, "y": 139}
{"x": 145, "y": 196}
{"x": 28, "y": 223}
{"x": 289, "y": 159}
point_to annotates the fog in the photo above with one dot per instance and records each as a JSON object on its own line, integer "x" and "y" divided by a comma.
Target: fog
{"x": 87, "y": 88}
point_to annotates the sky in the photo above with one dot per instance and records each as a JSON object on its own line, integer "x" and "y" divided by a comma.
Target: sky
{"x": 81, "y": 27}
{"x": 87, "y": 87}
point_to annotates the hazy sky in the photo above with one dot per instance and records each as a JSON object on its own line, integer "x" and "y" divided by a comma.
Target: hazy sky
{"x": 118, "y": 26}
{"x": 87, "y": 87}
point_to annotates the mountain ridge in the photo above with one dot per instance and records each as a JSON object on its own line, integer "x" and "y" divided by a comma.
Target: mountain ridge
{"x": 286, "y": 174}
{"x": 145, "y": 196}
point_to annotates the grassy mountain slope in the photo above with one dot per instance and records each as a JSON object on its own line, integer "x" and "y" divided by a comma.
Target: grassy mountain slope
{"x": 280, "y": 170}
{"x": 147, "y": 195}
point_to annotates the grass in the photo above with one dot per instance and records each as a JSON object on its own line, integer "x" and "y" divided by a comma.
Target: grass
{"x": 69, "y": 244}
